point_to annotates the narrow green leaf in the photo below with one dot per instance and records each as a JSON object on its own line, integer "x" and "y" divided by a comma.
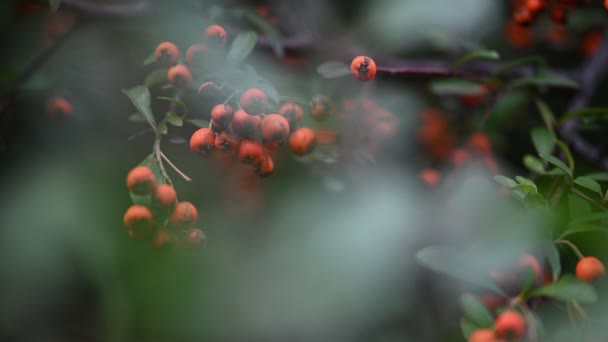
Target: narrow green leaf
{"x": 137, "y": 117}
{"x": 54, "y": 5}
{"x": 543, "y": 140}
{"x": 175, "y": 119}
{"x": 467, "y": 327}
{"x": 480, "y": 54}
{"x": 544, "y": 80}
{"x": 150, "y": 59}
{"x": 589, "y": 184}
{"x": 140, "y": 97}
{"x": 456, "y": 86}
{"x": 587, "y": 112}
{"x": 583, "y": 228}
{"x": 534, "y": 164}
{"x": 199, "y": 122}
{"x": 547, "y": 115}
{"x": 174, "y": 100}
{"x": 557, "y": 163}
{"x": 156, "y": 77}
{"x": 599, "y": 176}
{"x": 525, "y": 188}
{"x": 524, "y": 180}
{"x": 535, "y": 200}
{"x": 474, "y": 311}
{"x": 589, "y": 218}
{"x": 241, "y": 47}
{"x": 568, "y": 289}
{"x": 333, "y": 69}
{"x": 562, "y": 146}
{"x": 505, "y": 181}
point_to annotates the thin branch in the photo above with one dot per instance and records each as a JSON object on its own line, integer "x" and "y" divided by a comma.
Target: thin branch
{"x": 184, "y": 176}
{"x": 157, "y": 154}
{"x": 571, "y": 245}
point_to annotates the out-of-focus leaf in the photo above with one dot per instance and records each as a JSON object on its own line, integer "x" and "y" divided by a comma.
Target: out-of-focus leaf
{"x": 534, "y": 164}
{"x": 543, "y": 140}
{"x": 199, "y": 123}
{"x": 544, "y": 79}
{"x": 456, "y": 86}
{"x": 156, "y": 77}
{"x": 333, "y": 69}
{"x": 547, "y": 115}
{"x": 54, "y": 5}
{"x": 150, "y": 59}
{"x": 552, "y": 255}
{"x": 140, "y": 97}
{"x": 557, "y": 163}
{"x": 599, "y": 176}
{"x": 578, "y": 207}
{"x": 270, "y": 31}
{"x": 564, "y": 148}
{"x": 589, "y": 184}
{"x": 535, "y": 200}
{"x": 467, "y": 327}
{"x": 587, "y": 112}
{"x": 583, "y": 228}
{"x": 175, "y": 119}
{"x": 241, "y": 47}
{"x": 174, "y": 100}
{"x": 475, "y": 311}
{"x": 480, "y": 54}
{"x": 505, "y": 181}
{"x": 588, "y": 218}
{"x": 137, "y": 117}
{"x": 162, "y": 129}
{"x": 539, "y": 61}
{"x": 568, "y": 289}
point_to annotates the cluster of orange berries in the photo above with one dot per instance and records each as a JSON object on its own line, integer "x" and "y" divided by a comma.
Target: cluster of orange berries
{"x": 510, "y": 325}
{"x": 526, "y": 11}
{"x": 198, "y": 56}
{"x": 164, "y": 218}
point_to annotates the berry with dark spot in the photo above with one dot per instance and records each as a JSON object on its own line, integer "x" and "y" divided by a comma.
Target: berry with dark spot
{"x": 215, "y": 35}
{"x": 275, "y": 129}
{"x": 320, "y": 107}
{"x": 267, "y": 166}
{"x": 202, "y": 142}
{"x": 251, "y": 152}
{"x": 302, "y": 141}
{"x": 510, "y": 325}
{"x": 58, "y": 106}
{"x": 293, "y": 113}
{"x": 222, "y": 115}
{"x": 245, "y": 125}
{"x": 254, "y": 101}
{"x": 141, "y": 180}
{"x": 138, "y": 220}
{"x": 184, "y": 215}
{"x": 227, "y": 141}
{"x": 167, "y": 53}
{"x": 179, "y": 75}
{"x": 363, "y": 68}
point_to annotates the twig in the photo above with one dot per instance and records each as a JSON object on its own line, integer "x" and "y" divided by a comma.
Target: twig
{"x": 571, "y": 245}
{"x": 157, "y": 154}
{"x": 184, "y": 176}
{"x": 149, "y": 129}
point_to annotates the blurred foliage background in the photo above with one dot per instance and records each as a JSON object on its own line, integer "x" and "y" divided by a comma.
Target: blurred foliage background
{"x": 320, "y": 251}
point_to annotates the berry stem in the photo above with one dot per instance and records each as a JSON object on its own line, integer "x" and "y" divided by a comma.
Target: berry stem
{"x": 157, "y": 154}
{"x": 572, "y": 246}
{"x": 184, "y": 176}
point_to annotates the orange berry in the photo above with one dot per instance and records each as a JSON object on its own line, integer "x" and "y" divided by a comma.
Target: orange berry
{"x": 483, "y": 335}
{"x": 254, "y": 101}
{"x": 510, "y": 325}
{"x": 492, "y": 301}
{"x": 210, "y": 91}
{"x": 163, "y": 240}
{"x": 558, "y": 14}
{"x": 202, "y": 141}
{"x": 251, "y": 152}
{"x": 245, "y": 125}
{"x": 529, "y": 261}
{"x": 535, "y": 6}
{"x": 58, "y": 106}
{"x": 363, "y": 68}
{"x": 167, "y": 53}
{"x": 179, "y": 75}
{"x": 196, "y": 55}
{"x": 138, "y": 220}
{"x": 141, "y": 180}
{"x": 589, "y": 269}
{"x": 523, "y": 16}
{"x": 325, "y": 136}
{"x": 195, "y": 238}
{"x": 430, "y": 176}
{"x": 184, "y": 215}
{"x": 222, "y": 115}
{"x": 292, "y": 112}
{"x": 227, "y": 141}
{"x": 479, "y": 143}
{"x": 606, "y": 4}
{"x": 275, "y": 129}
{"x": 591, "y": 42}
{"x": 302, "y": 141}
{"x": 164, "y": 196}
{"x": 459, "y": 157}
{"x": 520, "y": 37}
{"x": 321, "y": 107}
{"x": 267, "y": 166}
{"x": 215, "y": 35}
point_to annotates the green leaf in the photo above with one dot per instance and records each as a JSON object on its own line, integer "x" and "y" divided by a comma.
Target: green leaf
{"x": 456, "y": 86}
{"x": 528, "y": 280}
{"x": 543, "y": 140}
{"x": 162, "y": 129}
{"x": 150, "y": 59}
{"x": 140, "y": 96}
{"x": 480, "y": 54}
{"x": 578, "y": 207}
{"x": 583, "y": 228}
{"x": 525, "y": 188}
{"x": 333, "y": 69}
{"x": 449, "y": 261}
{"x": 175, "y": 119}
{"x": 535, "y": 200}
{"x": 552, "y": 255}
{"x": 156, "y": 77}
{"x": 587, "y": 112}
{"x": 241, "y": 47}
{"x": 562, "y": 146}
{"x": 137, "y": 117}
{"x": 474, "y": 311}
{"x": 544, "y": 79}
{"x": 467, "y": 327}
{"x": 174, "y": 100}
{"x": 539, "y": 61}
{"x": 54, "y": 5}
{"x": 534, "y": 164}
{"x": 589, "y": 218}
{"x": 599, "y": 176}
{"x": 199, "y": 123}
{"x": 524, "y": 180}
{"x": 269, "y": 30}
{"x": 589, "y": 184}
{"x": 547, "y": 115}
{"x": 505, "y": 181}
{"x": 557, "y": 163}
{"x": 568, "y": 289}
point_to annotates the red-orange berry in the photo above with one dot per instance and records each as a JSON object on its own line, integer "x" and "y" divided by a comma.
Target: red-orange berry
{"x": 202, "y": 141}
{"x": 275, "y": 129}
{"x": 163, "y": 240}
{"x": 58, "y": 106}
{"x": 510, "y": 325}
{"x": 492, "y": 301}
{"x": 184, "y": 215}
{"x": 430, "y": 177}
{"x": 141, "y": 180}
{"x": 363, "y": 68}
{"x": 479, "y": 143}
{"x": 302, "y": 141}
{"x": 222, "y": 115}
{"x": 215, "y": 35}
{"x": 164, "y": 196}
{"x": 179, "y": 75}
{"x": 320, "y": 107}
{"x": 245, "y": 125}
{"x": 483, "y": 335}
{"x": 589, "y": 269}
{"x": 138, "y": 220}
{"x": 292, "y": 112}
{"x": 523, "y": 16}
{"x": 195, "y": 238}
{"x": 535, "y": 6}
{"x": 251, "y": 152}
{"x": 529, "y": 261}
{"x": 254, "y": 101}
{"x": 196, "y": 55}
{"x": 459, "y": 157}
{"x": 267, "y": 166}
{"x": 227, "y": 141}
{"x": 167, "y": 53}
{"x": 519, "y": 36}
{"x": 558, "y": 14}
{"x": 210, "y": 91}
{"x": 606, "y": 4}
